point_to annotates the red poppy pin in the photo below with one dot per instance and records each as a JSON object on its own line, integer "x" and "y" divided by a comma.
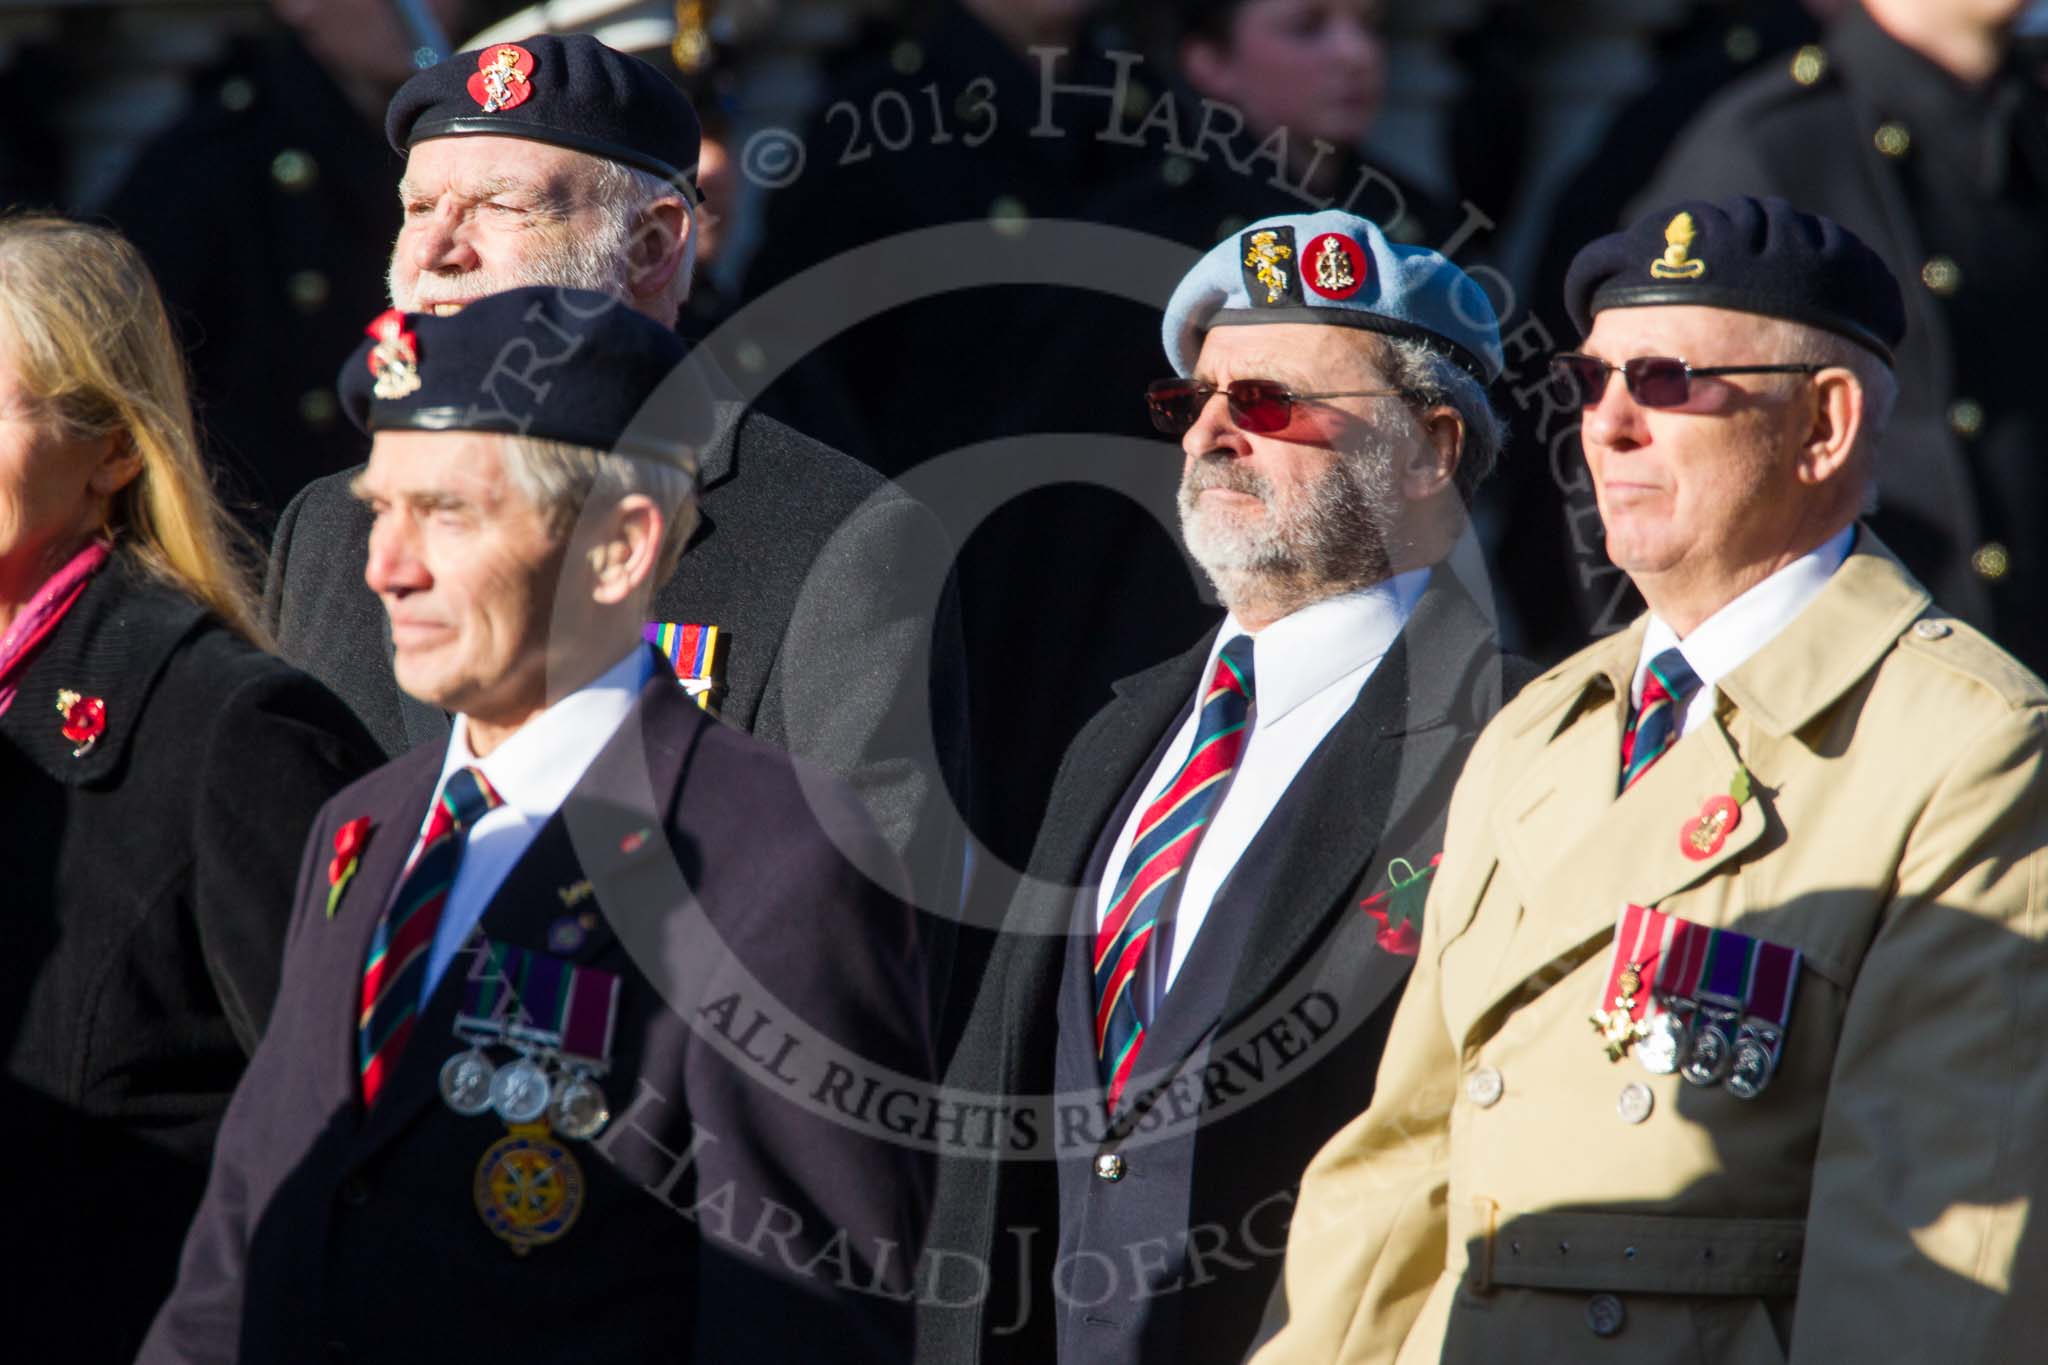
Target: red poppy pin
{"x": 85, "y": 719}
{"x": 502, "y": 77}
{"x": 1701, "y": 837}
{"x": 348, "y": 848}
{"x": 1399, "y": 907}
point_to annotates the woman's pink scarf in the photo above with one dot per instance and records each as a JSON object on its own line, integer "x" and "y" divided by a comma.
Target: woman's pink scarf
{"x": 36, "y": 620}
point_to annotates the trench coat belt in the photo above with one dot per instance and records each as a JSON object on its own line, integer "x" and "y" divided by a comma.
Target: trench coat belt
{"x": 1642, "y": 1253}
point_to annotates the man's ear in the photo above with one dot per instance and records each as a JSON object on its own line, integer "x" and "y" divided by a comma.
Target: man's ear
{"x": 625, "y": 555}
{"x": 1432, "y": 464}
{"x": 655, "y": 251}
{"x": 1835, "y": 423}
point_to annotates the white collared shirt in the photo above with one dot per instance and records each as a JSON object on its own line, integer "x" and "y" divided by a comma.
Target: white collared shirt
{"x": 534, "y": 770}
{"x": 1726, "y": 640}
{"x": 1307, "y": 670}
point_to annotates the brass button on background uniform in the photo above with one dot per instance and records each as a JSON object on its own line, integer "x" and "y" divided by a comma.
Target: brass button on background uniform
{"x": 1605, "y": 1315}
{"x": 317, "y": 407}
{"x": 1009, "y": 216}
{"x": 1809, "y": 64}
{"x": 1992, "y": 561}
{"x": 237, "y": 94}
{"x": 1941, "y": 275}
{"x": 1635, "y": 1102}
{"x": 307, "y": 290}
{"x": 1484, "y": 1087}
{"x": 1741, "y": 44}
{"x": 1110, "y": 1166}
{"x": 1966, "y": 417}
{"x": 294, "y": 171}
{"x": 1892, "y": 139}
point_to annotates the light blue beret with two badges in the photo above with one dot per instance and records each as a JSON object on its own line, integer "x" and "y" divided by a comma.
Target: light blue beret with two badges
{"x": 1336, "y": 268}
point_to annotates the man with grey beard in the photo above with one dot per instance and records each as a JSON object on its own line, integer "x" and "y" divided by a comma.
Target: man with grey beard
{"x": 812, "y": 607}
{"x": 1192, "y": 990}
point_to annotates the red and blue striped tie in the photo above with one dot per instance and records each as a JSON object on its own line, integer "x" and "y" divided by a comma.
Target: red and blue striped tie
{"x": 398, "y": 953}
{"x": 1668, "y": 688}
{"x": 1161, "y": 850}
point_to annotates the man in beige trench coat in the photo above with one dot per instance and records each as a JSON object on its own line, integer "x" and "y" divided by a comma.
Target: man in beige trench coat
{"x": 1725, "y": 1043}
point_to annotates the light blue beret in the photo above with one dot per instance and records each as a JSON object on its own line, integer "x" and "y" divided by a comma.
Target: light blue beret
{"x": 1333, "y": 267}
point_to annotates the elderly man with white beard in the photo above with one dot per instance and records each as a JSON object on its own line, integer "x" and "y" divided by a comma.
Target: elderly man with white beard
{"x": 812, "y": 606}
{"x": 1193, "y": 989}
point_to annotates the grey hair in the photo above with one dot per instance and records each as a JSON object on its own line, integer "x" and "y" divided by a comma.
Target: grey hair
{"x": 1437, "y": 380}
{"x": 561, "y": 480}
{"x": 624, "y": 194}
{"x": 1816, "y": 346}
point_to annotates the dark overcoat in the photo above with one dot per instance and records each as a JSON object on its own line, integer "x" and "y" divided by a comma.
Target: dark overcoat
{"x": 147, "y": 883}
{"x": 718, "y": 879}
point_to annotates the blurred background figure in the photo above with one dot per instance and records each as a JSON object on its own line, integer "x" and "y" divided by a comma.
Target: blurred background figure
{"x": 1919, "y": 126}
{"x": 266, "y": 211}
{"x": 158, "y": 774}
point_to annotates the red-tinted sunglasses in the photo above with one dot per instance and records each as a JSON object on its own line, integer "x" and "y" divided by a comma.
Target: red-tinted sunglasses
{"x": 1655, "y": 381}
{"x": 1256, "y": 405}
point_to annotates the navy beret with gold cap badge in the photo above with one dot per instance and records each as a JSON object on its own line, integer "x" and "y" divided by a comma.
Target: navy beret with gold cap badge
{"x": 1747, "y": 255}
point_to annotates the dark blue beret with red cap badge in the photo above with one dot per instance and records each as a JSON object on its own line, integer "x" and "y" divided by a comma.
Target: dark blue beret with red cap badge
{"x": 556, "y": 364}
{"x": 1748, "y": 255}
{"x": 569, "y": 90}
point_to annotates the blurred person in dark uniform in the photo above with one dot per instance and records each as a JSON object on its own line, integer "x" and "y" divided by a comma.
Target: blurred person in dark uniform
{"x": 159, "y": 772}
{"x": 1549, "y": 608}
{"x": 1913, "y": 125}
{"x": 266, "y": 212}
{"x": 939, "y": 132}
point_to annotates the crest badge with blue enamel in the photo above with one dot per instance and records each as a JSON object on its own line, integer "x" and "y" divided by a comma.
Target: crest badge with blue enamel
{"x": 1271, "y": 279}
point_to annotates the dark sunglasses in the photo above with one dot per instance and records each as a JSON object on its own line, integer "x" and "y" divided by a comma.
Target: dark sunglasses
{"x": 1256, "y": 405}
{"x": 1655, "y": 381}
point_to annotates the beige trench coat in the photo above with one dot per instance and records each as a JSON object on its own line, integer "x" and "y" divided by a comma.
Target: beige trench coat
{"x": 1883, "y": 1199}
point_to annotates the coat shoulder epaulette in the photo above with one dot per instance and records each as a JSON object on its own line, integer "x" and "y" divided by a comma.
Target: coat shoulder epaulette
{"x": 1952, "y": 649}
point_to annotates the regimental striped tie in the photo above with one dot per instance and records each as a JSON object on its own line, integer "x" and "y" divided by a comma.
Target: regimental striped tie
{"x": 398, "y": 953}
{"x": 1668, "y": 687}
{"x": 1161, "y": 850}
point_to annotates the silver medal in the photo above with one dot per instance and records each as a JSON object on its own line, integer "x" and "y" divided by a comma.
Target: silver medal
{"x": 519, "y": 1092}
{"x": 580, "y": 1111}
{"x": 1712, "y": 1048}
{"x": 466, "y": 1082}
{"x": 1664, "y": 1048}
{"x": 1751, "y": 1070}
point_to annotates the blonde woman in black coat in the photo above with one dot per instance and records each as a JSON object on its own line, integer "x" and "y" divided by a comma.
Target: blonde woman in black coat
{"x": 158, "y": 772}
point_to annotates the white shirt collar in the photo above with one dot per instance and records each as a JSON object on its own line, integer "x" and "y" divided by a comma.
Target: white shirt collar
{"x": 536, "y": 768}
{"x": 1301, "y": 654}
{"x": 1726, "y": 640}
